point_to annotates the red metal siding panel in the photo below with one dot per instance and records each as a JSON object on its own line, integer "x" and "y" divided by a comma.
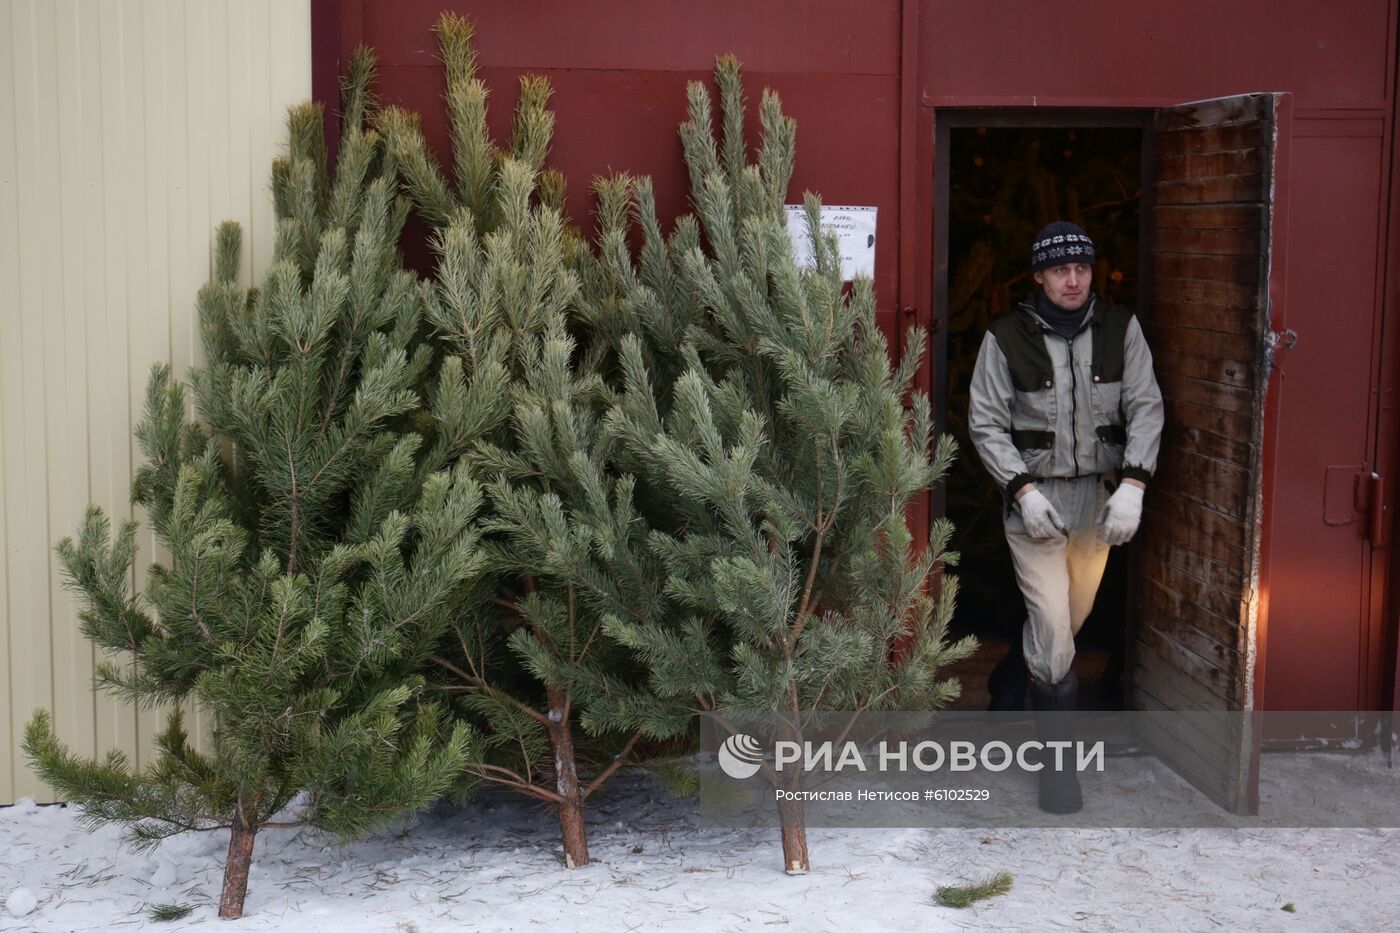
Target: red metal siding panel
{"x": 626, "y": 120}
{"x": 1020, "y": 51}
{"x": 808, "y": 36}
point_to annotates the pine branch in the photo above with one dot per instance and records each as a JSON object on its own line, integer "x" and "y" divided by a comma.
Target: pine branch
{"x": 618, "y": 761}
{"x": 508, "y": 778}
{"x": 965, "y": 895}
{"x": 476, "y": 683}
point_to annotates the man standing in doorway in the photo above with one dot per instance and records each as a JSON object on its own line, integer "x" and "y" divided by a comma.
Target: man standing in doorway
{"x": 1066, "y": 416}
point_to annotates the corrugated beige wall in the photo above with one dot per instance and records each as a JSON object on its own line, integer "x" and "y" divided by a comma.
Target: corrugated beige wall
{"x": 128, "y": 130}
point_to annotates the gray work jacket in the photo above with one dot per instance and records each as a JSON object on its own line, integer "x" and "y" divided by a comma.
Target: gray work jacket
{"x": 1074, "y": 419}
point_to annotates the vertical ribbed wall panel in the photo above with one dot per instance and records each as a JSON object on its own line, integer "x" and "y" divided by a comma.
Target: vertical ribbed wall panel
{"x": 128, "y": 130}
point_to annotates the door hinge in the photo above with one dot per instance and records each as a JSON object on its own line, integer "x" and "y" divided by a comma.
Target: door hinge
{"x": 1377, "y": 512}
{"x": 1276, "y": 343}
{"x": 911, "y": 316}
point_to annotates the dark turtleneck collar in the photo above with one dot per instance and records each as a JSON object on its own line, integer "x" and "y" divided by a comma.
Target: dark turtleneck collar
{"x": 1065, "y": 323}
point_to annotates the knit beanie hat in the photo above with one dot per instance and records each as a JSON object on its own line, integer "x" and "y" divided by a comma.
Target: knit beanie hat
{"x": 1061, "y": 243}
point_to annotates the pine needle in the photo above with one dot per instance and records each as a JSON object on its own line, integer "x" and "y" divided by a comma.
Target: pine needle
{"x": 963, "y": 895}
{"x": 164, "y": 913}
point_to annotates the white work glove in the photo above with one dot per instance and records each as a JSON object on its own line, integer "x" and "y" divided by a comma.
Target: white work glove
{"x": 1119, "y": 521}
{"x": 1039, "y": 516}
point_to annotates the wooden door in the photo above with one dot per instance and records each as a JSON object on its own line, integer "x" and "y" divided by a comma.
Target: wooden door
{"x": 1200, "y": 607}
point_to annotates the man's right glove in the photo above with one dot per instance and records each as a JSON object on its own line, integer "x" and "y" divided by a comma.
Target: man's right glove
{"x": 1039, "y": 516}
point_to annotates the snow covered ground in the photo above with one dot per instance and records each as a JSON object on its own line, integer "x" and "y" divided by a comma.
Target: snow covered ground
{"x": 495, "y": 866}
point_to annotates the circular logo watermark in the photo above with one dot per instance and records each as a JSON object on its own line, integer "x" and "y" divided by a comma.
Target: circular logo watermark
{"x": 740, "y": 756}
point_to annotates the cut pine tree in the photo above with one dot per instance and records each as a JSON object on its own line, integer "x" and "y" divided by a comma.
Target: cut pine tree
{"x": 313, "y": 549}
{"x": 779, "y": 454}
{"x": 519, "y": 302}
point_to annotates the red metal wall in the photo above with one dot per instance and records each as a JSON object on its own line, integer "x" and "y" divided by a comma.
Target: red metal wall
{"x": 619, "y": 70}
{"x": 1107, "y": 52}
{"x": 865, "y": 136}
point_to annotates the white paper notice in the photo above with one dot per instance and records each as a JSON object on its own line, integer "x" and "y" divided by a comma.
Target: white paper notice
{"x": 855, "y": 234}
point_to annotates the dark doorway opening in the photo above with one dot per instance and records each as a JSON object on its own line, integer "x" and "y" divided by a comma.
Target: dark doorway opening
{"x": 1001, "y": 176}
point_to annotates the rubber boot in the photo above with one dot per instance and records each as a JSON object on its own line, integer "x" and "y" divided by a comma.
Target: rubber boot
{"x": 1055, "y": 704}
{"x": 1007, "y": 682}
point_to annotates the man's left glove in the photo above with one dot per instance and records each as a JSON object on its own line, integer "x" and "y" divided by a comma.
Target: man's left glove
{"x": 1121, "y": 515}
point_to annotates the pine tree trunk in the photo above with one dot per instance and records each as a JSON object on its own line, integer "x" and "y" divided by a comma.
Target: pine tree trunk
{"x": 574, "y": 835}
{"x": 571, "y": 827}
{"x": 793, "y": 821}
{"x": 240, "y": 859}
